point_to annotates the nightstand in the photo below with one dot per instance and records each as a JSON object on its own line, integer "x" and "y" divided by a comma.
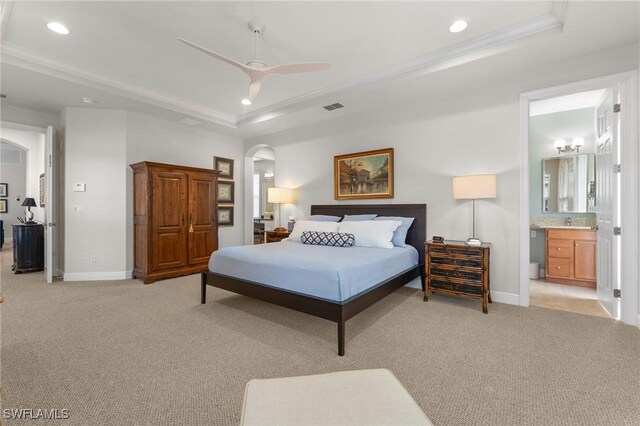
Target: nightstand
{"x": 457, "y": 269}
{"x": 275, "y": 236}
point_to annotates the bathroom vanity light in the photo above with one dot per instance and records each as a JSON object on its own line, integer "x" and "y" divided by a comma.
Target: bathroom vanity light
{"x": 563, "y": 146}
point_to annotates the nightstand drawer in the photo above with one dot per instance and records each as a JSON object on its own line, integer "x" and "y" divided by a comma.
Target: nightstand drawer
{"x": 465, "y": 262}
{"x": 456, "y": 250}
{"x": 455, "y": 272}
{"x": 461, "y": 287}
{"x": 559, "y": 248}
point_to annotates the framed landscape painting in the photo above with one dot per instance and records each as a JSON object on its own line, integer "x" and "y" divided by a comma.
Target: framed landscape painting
{"x": 363, "y": 175}
{"x": 4, "y": 206}
{"x": 224, "y": 166}
{"x": 225, "y": 215}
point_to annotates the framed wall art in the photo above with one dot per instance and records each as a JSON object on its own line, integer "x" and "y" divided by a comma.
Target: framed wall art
{"x": 226, "y": 192}
{"x": 224, "y": 166}
{"x": 4, "y": 189}
{"x": 363, "y": 175}
{"x": 4, "y": 206}
{"x": 41, "y": 192}
{"x": 225, "y": 215}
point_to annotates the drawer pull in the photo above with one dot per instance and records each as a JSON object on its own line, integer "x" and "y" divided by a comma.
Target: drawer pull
{"x": 559, "y": 249}
{"x": 558, "y": 267}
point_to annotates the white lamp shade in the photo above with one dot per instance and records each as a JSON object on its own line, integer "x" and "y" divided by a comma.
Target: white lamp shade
{"x": 474, "y": 187}
{"x": 559, "y": 143}
{"x": 280, "y": 195}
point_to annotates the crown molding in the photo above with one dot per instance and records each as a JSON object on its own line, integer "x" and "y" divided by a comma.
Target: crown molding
{"x": 448, "y": 56}
{"x": 15, "y": 55}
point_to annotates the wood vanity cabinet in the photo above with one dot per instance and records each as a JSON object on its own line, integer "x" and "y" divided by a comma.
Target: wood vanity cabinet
{"x": 571, "y": 257}
{"x": 175, "y": 220}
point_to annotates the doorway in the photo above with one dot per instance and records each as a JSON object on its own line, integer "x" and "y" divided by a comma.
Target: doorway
{"x": 575, "y": 200}
{"x": 27, "y": 199}
{"x": 259, "y": 177}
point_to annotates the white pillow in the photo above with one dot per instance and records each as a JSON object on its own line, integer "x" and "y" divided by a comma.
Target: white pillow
{"x": 311, "y": 225}
{"x": 371, "y": 233}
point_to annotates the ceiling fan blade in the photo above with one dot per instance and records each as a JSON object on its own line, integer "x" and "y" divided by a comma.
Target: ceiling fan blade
{"x": 295, "y": 68}
{"x": 254, "y": 88}
{"x": 243, "y": 67}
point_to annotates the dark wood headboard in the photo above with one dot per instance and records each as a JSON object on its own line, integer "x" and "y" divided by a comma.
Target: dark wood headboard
{"x": 417, "y": 234}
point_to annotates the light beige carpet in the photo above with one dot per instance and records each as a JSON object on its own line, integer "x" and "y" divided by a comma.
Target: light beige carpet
{"x": 125, "y": 353}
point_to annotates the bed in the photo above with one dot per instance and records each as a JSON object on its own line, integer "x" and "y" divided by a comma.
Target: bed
{"x": 300, "y": 279}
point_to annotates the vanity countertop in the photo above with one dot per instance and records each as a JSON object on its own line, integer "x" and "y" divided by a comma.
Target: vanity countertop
{"x": 560, "y": 227}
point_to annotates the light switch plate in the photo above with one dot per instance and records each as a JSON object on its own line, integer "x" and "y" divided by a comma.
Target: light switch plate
{"x": 79, "y": 187}
{"x": 533, "y": 234}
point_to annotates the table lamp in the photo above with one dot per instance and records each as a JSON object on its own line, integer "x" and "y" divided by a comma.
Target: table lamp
{"x": 28, "y": 203}
{"x": 280, "y": 196}
{"x": 474, "y": 188}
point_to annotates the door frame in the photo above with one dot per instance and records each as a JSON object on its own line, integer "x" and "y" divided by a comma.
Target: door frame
{"x": 627, "y": 83}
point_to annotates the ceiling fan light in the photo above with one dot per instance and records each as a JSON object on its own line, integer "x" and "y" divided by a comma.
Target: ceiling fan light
{"x": 58, "y": 28}
{"x": 458, "y": 26}
{"x": 246, "y": 102}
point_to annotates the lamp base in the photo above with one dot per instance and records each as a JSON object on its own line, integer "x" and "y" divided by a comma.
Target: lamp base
{"x": 474, "y": 242}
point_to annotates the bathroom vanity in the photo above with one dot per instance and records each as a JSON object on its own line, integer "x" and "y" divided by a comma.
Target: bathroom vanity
{"x": 571, "y": 255}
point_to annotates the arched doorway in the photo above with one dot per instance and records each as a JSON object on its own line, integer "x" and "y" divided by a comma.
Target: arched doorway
{"x": 259, "y": 176}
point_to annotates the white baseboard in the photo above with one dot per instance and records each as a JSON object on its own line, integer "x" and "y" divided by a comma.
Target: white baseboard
{"x": 97, "y": 276}
{"x": 508, "y": 298}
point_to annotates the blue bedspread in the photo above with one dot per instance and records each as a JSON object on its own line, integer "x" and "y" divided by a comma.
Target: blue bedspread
{"x": 331, "y": 273}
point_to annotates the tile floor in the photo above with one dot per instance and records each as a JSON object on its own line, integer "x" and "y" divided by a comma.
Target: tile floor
{"x": 568, "y": 298}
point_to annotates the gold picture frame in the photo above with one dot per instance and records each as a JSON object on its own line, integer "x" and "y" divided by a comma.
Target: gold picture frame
{"x": 363, "y": 175}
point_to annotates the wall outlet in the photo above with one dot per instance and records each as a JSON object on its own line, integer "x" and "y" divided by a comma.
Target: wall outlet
{"x": 93, "y": 258}
{"x": 79, "y": 208}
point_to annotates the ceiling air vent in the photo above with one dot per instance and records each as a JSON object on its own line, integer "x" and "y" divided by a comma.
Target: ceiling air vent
{"x": 333, "y": 106}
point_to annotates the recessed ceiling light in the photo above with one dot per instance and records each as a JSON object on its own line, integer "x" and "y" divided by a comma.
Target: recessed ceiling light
{"x": 57, "y": 27}
{"x": 88, "y": 101}
{"x": 458, "y": 26}
{"x": 246, "y": 101}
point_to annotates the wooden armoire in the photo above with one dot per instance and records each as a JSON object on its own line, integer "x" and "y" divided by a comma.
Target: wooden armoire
{"x": 174, "y": 220}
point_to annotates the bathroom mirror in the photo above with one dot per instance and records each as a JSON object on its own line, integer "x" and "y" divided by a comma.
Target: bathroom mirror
{"x": 569, "y": 184}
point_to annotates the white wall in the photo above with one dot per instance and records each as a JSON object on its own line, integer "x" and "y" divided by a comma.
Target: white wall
{"x": 152, "y": 139}
{"x": 15, "y": 175}
{"x": 472, "y": 129}
{"x": 28, "y": 116}
{"x": 99, "y": 146}
{"x": 95, "y": 154}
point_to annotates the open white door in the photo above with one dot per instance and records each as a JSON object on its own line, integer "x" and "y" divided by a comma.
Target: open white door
{"x": 608, "y": 201}
{"x": 49, "y": 205}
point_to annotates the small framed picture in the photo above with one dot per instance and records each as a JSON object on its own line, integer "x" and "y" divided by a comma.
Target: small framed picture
{"x": 42, "y": 190}
{"x": 226, "y": 192}
{"x": 224, "y": 166}
{"x": 225, "y": 215}
{"x": 4, "y": 189}
{"x": 4, "y": 206}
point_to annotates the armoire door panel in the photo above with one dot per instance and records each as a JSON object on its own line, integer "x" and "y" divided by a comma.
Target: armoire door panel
{"x": 169, "y": 251}
{"x": 202, "y": 221}
{"x": 169, "y": 219}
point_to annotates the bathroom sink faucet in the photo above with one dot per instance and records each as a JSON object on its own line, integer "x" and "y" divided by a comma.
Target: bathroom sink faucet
{"x": 568, "y": 221}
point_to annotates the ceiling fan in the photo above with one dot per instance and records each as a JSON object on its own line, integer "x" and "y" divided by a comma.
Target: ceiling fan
{"x": 257, "y": 69}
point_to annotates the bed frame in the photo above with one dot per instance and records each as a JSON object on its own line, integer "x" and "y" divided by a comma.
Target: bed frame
{"x": 338, "y": 312}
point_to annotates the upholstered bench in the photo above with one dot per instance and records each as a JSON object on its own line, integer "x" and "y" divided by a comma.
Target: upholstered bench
{"x": 363, "y": 397}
